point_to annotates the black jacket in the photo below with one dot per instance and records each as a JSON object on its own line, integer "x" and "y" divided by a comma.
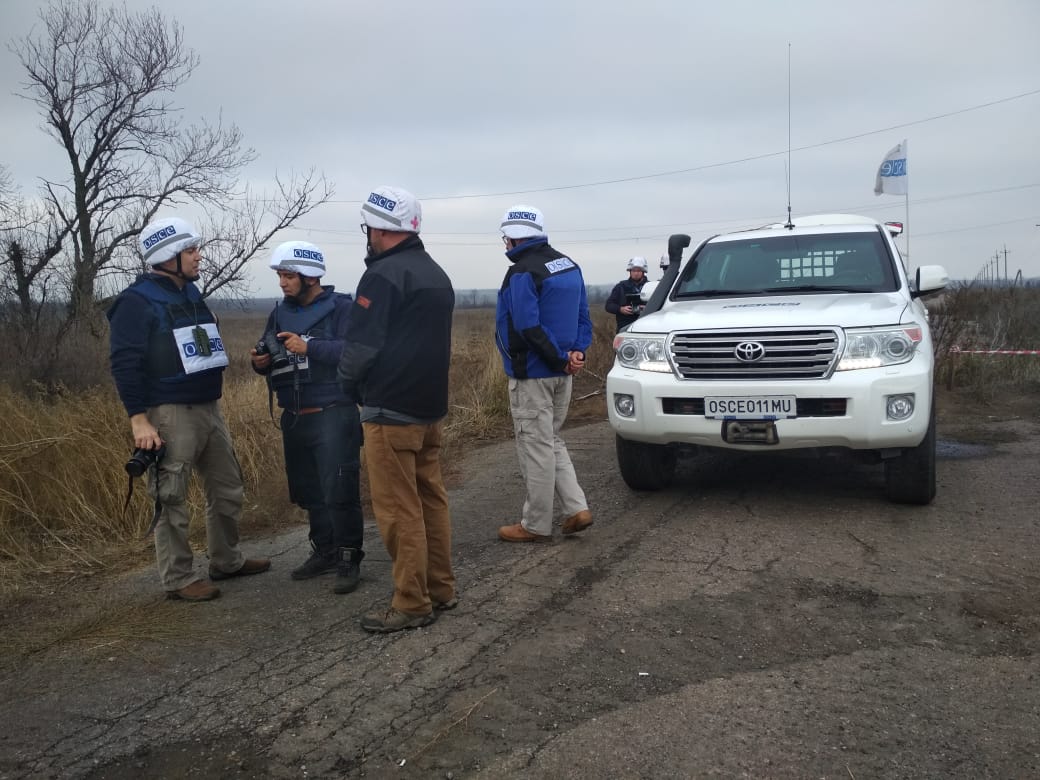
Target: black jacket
{"x": 619, "y": 297}
{"x": 398, "y": 349}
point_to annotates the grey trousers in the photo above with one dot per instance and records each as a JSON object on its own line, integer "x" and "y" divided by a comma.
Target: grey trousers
{"x": 195, "y": 436}
{"x": 539, "y": 408}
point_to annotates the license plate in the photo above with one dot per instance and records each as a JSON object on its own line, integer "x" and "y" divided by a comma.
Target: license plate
{"x": 750, "y": 407}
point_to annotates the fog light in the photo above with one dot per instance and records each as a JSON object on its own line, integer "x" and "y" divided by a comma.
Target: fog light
{"x": 624, "y": 405}
{"x": 899, "y": 407}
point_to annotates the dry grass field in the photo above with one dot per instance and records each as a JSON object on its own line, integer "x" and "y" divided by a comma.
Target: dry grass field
{"x": 62, "y": 484}
{"x": 62, "y": 450}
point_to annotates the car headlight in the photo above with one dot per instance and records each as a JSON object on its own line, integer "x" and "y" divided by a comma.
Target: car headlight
{"x": 879, "y": 347}
{"x": 642, "y": 352}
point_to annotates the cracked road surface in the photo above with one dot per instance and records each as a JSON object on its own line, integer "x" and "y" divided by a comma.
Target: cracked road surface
{"x": 767, "y": 616}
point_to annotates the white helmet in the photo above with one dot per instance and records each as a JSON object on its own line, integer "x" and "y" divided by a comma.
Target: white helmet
{"x": 298, "y": 257}
{"x": 637, "y": 262}
{"x": 665, "y": 261}
{"x": 393, "y": 209}
{"x": 523, "y": 222}
{"x": 164, "y": 239}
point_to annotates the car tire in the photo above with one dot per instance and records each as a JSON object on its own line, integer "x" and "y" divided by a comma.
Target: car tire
{"x": 645, "y": 466}
{"x": 910, "y": 477}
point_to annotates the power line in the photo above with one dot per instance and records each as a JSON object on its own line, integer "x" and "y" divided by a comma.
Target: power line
{"x": 875, "y": 206}
{"x": 725, "y": 163}
{"x": 974, "y": 227}
{"x": 658, "y": 237}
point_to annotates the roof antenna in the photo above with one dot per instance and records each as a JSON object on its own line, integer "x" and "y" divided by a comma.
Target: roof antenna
{"x": 790, "y": 224}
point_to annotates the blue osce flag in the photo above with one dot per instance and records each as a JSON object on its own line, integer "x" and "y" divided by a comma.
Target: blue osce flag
{"x": 892, "y": 173}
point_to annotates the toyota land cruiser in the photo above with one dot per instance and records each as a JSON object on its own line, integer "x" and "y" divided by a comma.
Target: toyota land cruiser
{"x": 805, "y": 335}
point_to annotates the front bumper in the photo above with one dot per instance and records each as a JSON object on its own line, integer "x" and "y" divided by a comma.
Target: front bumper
{"x": 863, "y": 425}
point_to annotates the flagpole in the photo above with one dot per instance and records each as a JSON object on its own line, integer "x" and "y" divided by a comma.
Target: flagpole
{"x": 906, "y": 153}
{"x": 908, "y": 223}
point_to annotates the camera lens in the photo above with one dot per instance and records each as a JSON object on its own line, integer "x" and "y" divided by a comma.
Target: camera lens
{"x": 141, "y": 460}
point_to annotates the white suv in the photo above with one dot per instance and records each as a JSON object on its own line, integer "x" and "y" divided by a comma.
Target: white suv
{"x": 799, "y": 336}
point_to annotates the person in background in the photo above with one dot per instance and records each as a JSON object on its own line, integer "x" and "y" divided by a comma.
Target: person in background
{"x": 395, "y": 361}
{"x": 622, "y": 301}
{"x": 168, "y": 361}
{"x": 542, "y": 328}
{"x": 321, "y": 429}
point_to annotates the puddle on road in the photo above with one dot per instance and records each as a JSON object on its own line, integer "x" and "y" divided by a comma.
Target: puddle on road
{"x": 948, "y": 448}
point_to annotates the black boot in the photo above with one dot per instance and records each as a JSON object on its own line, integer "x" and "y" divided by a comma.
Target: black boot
{"x": 320, "y": 562}
{"x": 348, "y": 569}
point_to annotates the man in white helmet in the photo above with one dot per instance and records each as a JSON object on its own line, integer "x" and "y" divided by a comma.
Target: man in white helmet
{"x": 623, "y": 301}
{"x": 168, "y": 361}
{"x": 321, "y": 430}
{"x": 542, "y": 328}
{"x": 395, "y": 362}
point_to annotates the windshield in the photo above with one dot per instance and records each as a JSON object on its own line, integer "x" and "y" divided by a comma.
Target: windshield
{"x": 831, "y": 262}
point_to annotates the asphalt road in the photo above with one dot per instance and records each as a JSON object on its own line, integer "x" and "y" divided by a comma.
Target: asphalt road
{"x": 765, "y": 617}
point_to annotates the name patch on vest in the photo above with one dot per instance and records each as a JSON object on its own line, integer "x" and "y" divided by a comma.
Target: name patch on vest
{"x": 296, "y": 362}
{"x": 560, "y": 264}
{"x": 191, "y": 356}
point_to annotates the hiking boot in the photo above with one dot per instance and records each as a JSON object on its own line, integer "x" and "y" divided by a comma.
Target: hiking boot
{"x": 393, "y": 620}
{"x": 517, "y": 533}
{"x": 348, "y": 569}
{"x": 578, "y": 522}
{"x": 200, "y": 590}
{"x": 248, "y": 567}
{"x": 320, "y": 562}
{"x": 444, "y": 606}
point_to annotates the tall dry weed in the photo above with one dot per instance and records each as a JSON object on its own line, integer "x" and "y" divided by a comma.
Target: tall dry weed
{"x": 969, "y": 318}
{"x": 62, "y": 451}
{"x": 62, "y": 482}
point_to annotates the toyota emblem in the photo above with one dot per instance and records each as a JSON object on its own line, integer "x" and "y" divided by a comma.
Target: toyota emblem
{"x": 749, "y": 352}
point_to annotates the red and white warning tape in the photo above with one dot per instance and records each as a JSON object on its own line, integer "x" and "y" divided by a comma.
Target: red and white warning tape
{"x": 959, "y": 351}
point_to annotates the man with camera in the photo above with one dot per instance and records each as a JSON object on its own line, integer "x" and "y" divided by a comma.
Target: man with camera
{"x": 321, "y": 429}
{"x": 168, "y": 360}
{"x": 624, "y": 302}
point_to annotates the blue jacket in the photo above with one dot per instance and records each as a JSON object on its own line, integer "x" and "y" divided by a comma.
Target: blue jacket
{"x": 146, "y": 363}
{"x": 543, "y": 312}
{"x": 317, "y": 385}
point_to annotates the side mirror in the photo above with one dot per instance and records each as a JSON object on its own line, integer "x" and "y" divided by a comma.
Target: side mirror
{"x": 930, "y": 278}
{"x": 647, "y": 291}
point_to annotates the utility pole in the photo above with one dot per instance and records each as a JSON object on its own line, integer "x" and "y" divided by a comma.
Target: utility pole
{"x": 1006, "y": 279}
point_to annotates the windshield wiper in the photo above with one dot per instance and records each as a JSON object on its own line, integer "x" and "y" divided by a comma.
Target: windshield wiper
{"x": 814, "y": 288}
{"x": 713, "y": 293}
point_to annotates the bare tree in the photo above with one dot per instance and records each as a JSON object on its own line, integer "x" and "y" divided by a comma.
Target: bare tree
{"x": 6, "y": 195}
{"x": 242, "y": 233}
{"x": 30, "y": 238}
{"x": 104, "y": 79}
{"x": 26, "y": 251}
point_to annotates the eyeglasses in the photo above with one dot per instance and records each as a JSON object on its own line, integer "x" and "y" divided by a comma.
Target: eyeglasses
{"x": 505, "y": 240}
{"x": 364, "y": 228}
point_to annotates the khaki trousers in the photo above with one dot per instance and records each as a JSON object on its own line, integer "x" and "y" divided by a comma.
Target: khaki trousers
{"x": 411, "y": 509}
{"x": 539, "y": 409}
{"x": 195, "y": 436}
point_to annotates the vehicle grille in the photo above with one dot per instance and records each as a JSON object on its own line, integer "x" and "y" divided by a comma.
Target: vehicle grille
{"x": 789, "y": 354}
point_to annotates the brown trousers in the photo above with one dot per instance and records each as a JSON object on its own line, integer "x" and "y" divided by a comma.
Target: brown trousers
{"x": 411, "y": 509}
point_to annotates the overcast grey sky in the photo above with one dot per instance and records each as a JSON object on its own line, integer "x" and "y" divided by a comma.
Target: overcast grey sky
{"x": 477, "y": 98}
